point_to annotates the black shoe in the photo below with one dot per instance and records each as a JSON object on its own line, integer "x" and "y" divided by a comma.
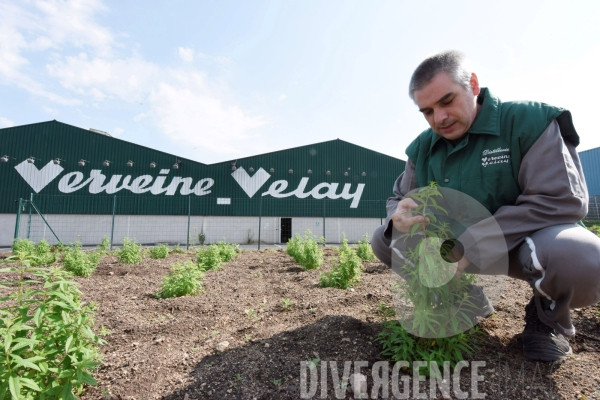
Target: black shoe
{"x": 480, "y": 304}
{"x": 541, "y": 342}
{"x": 477, "y": 306}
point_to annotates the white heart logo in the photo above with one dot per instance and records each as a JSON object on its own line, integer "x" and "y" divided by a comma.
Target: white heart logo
{"x": 484, "y": 159}
{"x": 251, "y": 185}
{"x": 38, "y": 178}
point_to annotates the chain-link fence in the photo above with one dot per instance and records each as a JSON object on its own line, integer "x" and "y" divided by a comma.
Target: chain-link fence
{"x": 191, "y": 221}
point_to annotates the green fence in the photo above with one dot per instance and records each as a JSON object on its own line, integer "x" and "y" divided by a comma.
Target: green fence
{"x": 190, "y": 221}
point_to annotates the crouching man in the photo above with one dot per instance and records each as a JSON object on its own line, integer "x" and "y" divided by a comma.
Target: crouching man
{"x": 536, "y": 194}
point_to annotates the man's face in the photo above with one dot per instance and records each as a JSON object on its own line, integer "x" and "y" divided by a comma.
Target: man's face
{"x": 448, "y": 107}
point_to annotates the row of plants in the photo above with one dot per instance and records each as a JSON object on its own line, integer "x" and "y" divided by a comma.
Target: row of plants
{"x": 306, "y": 250}
{"x": 46, "y": 331}
{"x": 83, "y": 263}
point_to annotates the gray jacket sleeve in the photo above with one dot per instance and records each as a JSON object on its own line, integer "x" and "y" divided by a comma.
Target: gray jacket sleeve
{"x": 553, "y": 192}
{"x": 404, "y": 184}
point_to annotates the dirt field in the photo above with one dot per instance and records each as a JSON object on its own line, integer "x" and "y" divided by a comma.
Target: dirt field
{"x": 237, "y": 341}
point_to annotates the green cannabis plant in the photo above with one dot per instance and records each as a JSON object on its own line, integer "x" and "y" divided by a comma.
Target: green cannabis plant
{"x": 346, "y": 272}
{"x": 201, "y": 237}
{"x": 49, "y": 348}
{"x": 209, "y": 257}
{"x": 130, "y": 252}
{"x": 159, "y": 251}
{"x": 399, "y": 345}
{"x": 42, "y": 252}
{"x": 104, "y": 244}
{"x": 227, "y": 252}
{"x": 286, "y": 304}
{"x": 433, "y": 298}
{"x": 80, "y": 263}
{"x": 177, "y": 249}
{"x": 25, "y": 245}
{"x": 364, "y": 250}
{"x": 305, "y": 250}
{"x": 185, "y": 279}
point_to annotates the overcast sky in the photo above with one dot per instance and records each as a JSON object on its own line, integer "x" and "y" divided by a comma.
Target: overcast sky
{"x": 217, "y": 80}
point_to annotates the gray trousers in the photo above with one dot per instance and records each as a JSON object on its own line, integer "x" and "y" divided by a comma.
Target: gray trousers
{"x": 561, "y": 263}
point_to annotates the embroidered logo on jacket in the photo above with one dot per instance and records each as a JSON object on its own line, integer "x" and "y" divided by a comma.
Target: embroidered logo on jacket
{"x": 503, "y": 159}
{"x": 499, "y": 159}
{"x": 494, "y": 151}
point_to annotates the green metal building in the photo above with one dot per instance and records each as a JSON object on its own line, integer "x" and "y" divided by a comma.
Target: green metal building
{"x": 86, "y": 185}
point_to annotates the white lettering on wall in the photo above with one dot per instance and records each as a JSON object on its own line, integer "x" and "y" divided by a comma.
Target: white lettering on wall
{"x": 276, "y": 190}
{"x": 73, "y": 181}
{"x": 250, "y": 185}
{"x": 139, "y": 184}
{"x": 202, "y": 186}
{"x": 38, "y": 178}
{"x": 66, "y": 185}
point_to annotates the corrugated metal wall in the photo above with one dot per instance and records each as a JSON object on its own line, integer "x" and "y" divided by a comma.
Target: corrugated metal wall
{"x": 590, "y": 162}
{"x": 73, "y": 189}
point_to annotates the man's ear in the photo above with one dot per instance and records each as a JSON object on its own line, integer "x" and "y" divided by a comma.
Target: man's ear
{"x": 475, "y": 84}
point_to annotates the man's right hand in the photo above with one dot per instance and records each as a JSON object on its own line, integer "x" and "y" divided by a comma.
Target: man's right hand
{"x": 404, "y": 220}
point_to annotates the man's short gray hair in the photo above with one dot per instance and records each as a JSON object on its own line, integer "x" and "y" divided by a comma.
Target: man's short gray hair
{"x": 453, "y": 62}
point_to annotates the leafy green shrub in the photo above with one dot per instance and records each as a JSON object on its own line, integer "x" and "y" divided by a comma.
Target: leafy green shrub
{"x": 48, "y": 347}
{"x": 25, "y": 245}
{"x": 80, "y": 263}
{"x": 185, "y": 279}
{"x": 593, "y": 226}
{"x": 177, "y": 249}
{"x": 347, "y": 272}
{"x": 321, "y": 241}
{"x": 159, "y": 251}
{"x": 365, "y": 251}
{"x": 41, "y": 253}
{"x": 430, "y": 288}
{"x": 227, "y": 251}
{"x": 433, "y": 296}
{"x": 209, "y": 257}
{"x": 305, "y": 250}
{"x": 104, "y": 244}
{"x": 399, "y": 345}
{"x": 130, "y": 253}
{"x": 201, "y": 238}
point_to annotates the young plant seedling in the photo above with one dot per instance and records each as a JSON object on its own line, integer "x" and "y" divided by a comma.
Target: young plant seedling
{"x": 287, "y": 304}
{"x": 385, "y": 311}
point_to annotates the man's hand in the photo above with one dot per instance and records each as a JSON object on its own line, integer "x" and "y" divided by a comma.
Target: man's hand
{"x": 404, "y": 220}
{"x": 461, "y": 265}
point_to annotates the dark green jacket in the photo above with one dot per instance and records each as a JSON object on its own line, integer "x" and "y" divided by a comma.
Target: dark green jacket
{"x": 485, "y": 163}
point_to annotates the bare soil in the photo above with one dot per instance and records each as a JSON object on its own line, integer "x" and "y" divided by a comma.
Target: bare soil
{"x": 175, "y": 348}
